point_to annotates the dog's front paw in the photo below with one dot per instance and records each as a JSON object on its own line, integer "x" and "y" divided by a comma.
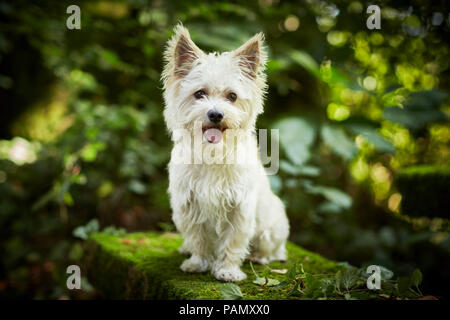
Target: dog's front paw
{"x": 194, "y": 264}
{"x": 229, "y": 274}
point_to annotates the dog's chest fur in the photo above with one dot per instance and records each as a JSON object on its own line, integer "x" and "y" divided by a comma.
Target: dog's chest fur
{"x": 216, "y": 187}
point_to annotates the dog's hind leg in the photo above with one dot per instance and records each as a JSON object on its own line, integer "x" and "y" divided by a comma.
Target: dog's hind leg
{"x": 269, "y": 244}
{"x": 268, "y": 248}
{"x": 185, "y": 248}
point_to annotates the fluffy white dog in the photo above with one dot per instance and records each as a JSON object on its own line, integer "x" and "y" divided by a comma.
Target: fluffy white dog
{"x": 225, "y": 210}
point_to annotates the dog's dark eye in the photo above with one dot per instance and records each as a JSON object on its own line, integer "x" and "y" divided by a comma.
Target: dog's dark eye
{"x": 232, "y": 96}
{"x": 199, "y": 94}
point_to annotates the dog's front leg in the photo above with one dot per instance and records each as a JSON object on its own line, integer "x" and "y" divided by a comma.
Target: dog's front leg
{"x": 234, "y": 245}
{"x": 199, "y": 248}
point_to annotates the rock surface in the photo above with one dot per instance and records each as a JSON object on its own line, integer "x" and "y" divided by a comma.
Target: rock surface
{"x": 146, "y": 266}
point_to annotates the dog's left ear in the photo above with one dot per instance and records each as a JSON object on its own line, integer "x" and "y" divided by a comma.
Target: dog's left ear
{"x": 252, "y": 56}
{"x": 180, "y": 54}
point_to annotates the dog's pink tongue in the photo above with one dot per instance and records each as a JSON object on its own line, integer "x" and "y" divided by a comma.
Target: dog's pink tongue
{"x": 213, "y": 135}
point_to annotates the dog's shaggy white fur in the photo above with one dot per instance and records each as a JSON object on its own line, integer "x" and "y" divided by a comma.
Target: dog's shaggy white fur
{"x": 226, "y": 212}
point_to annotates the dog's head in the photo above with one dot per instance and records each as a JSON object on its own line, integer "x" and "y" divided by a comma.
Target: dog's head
{"x": 219, "y": 91}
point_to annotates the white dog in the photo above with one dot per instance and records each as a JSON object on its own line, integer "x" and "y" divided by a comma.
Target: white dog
{"x": 226, "y": 212}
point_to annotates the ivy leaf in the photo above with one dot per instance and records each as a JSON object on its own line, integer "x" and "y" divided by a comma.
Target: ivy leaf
{"x": 416, "y": 278}
{"x": 306, "y": 61}
{"x": 292, "y": 272}
{"x": 295, "y": 289}
{"x": 263, "y": 281}
{"x": 334, "y": 195}
{"x": 327, "y": 287}
{"x": 266, "y": 282}
{"x": 83, "y": 232}
{"x": 313, "y": 287}
{"x": 281, "y": 285}
{"x": 380, "y": 144}
{"x": 403, "y": 284}
{"x": 231, "y": 291}
{"x": 296, "y": 137}
{"x": 367, "y": 129}
{"x": 295, "y": 170}
{"x": 338, "y": 141}
{"x": 347, "y": 279}
{"x": 137, "y": 186}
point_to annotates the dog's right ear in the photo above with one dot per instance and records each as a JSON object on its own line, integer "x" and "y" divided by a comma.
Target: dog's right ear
{"x": 180, "y": 54}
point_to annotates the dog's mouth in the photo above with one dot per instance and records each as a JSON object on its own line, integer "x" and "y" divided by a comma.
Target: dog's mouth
{"x": 213, "y": 133}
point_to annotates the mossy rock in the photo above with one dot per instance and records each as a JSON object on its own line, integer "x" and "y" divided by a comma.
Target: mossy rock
{"x": 147, "y": 266}
{"x": 425, "y": 191}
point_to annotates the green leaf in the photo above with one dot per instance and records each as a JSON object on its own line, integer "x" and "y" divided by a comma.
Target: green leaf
{"x": 306, "y": 61}
{"x": 230, "y": 291}
{"x": 83, "y": 232}
{"x": 428, "y": 99}
{"x": 336, "y": 139}
{"x": 332, "y": 194}
{"x": 296, "y": 137}
{"x": 68, "y": 199}
{"x": 367, "y": 129}
{"x": 413, "y": 119}
{"x": 380, "y": 144}
{"x": 359, "y": 123}
{"x": 327, "y": 287}
{"x": 281, "y": 285}
{"x": 292, "y": 272}
{"x": 313, "y": 287}
{"x": 295, "y": 289}
{"x": 137, "y": 187}
{"x": 267, "y": 282}
{"x": 263, "y": 281}
{"x": 89, "y": 152}
{"x": 114, "y": 231}
{"x": 416, "y": 278}
{"x": 347, "y": 279}
{"x": 275, "y": 183}
{"x": 329, "y": 207}
{"x": 309, "y": 171}
{"x": 403, "y": 284}
{"x": 420, "y": 108}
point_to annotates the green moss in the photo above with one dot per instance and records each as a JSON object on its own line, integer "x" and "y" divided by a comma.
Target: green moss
{"x": 147, "y": 266}
{"x": 424, "y": 191}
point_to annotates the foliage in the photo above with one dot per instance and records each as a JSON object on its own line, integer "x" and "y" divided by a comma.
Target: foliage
{"x": 230, "y": 291}
{"x": 349, "y": 284}
{"x": 84, "y": 136}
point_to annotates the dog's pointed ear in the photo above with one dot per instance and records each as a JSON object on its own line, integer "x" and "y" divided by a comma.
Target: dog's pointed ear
{"x": 252, "y": 56}
{"x": 181, "y": 53}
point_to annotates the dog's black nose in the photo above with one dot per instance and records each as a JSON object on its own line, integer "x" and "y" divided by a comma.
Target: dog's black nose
{"x": 215, "y": 116}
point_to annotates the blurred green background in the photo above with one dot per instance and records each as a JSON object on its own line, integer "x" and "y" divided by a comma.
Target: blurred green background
{"x": 84, "y": 147}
